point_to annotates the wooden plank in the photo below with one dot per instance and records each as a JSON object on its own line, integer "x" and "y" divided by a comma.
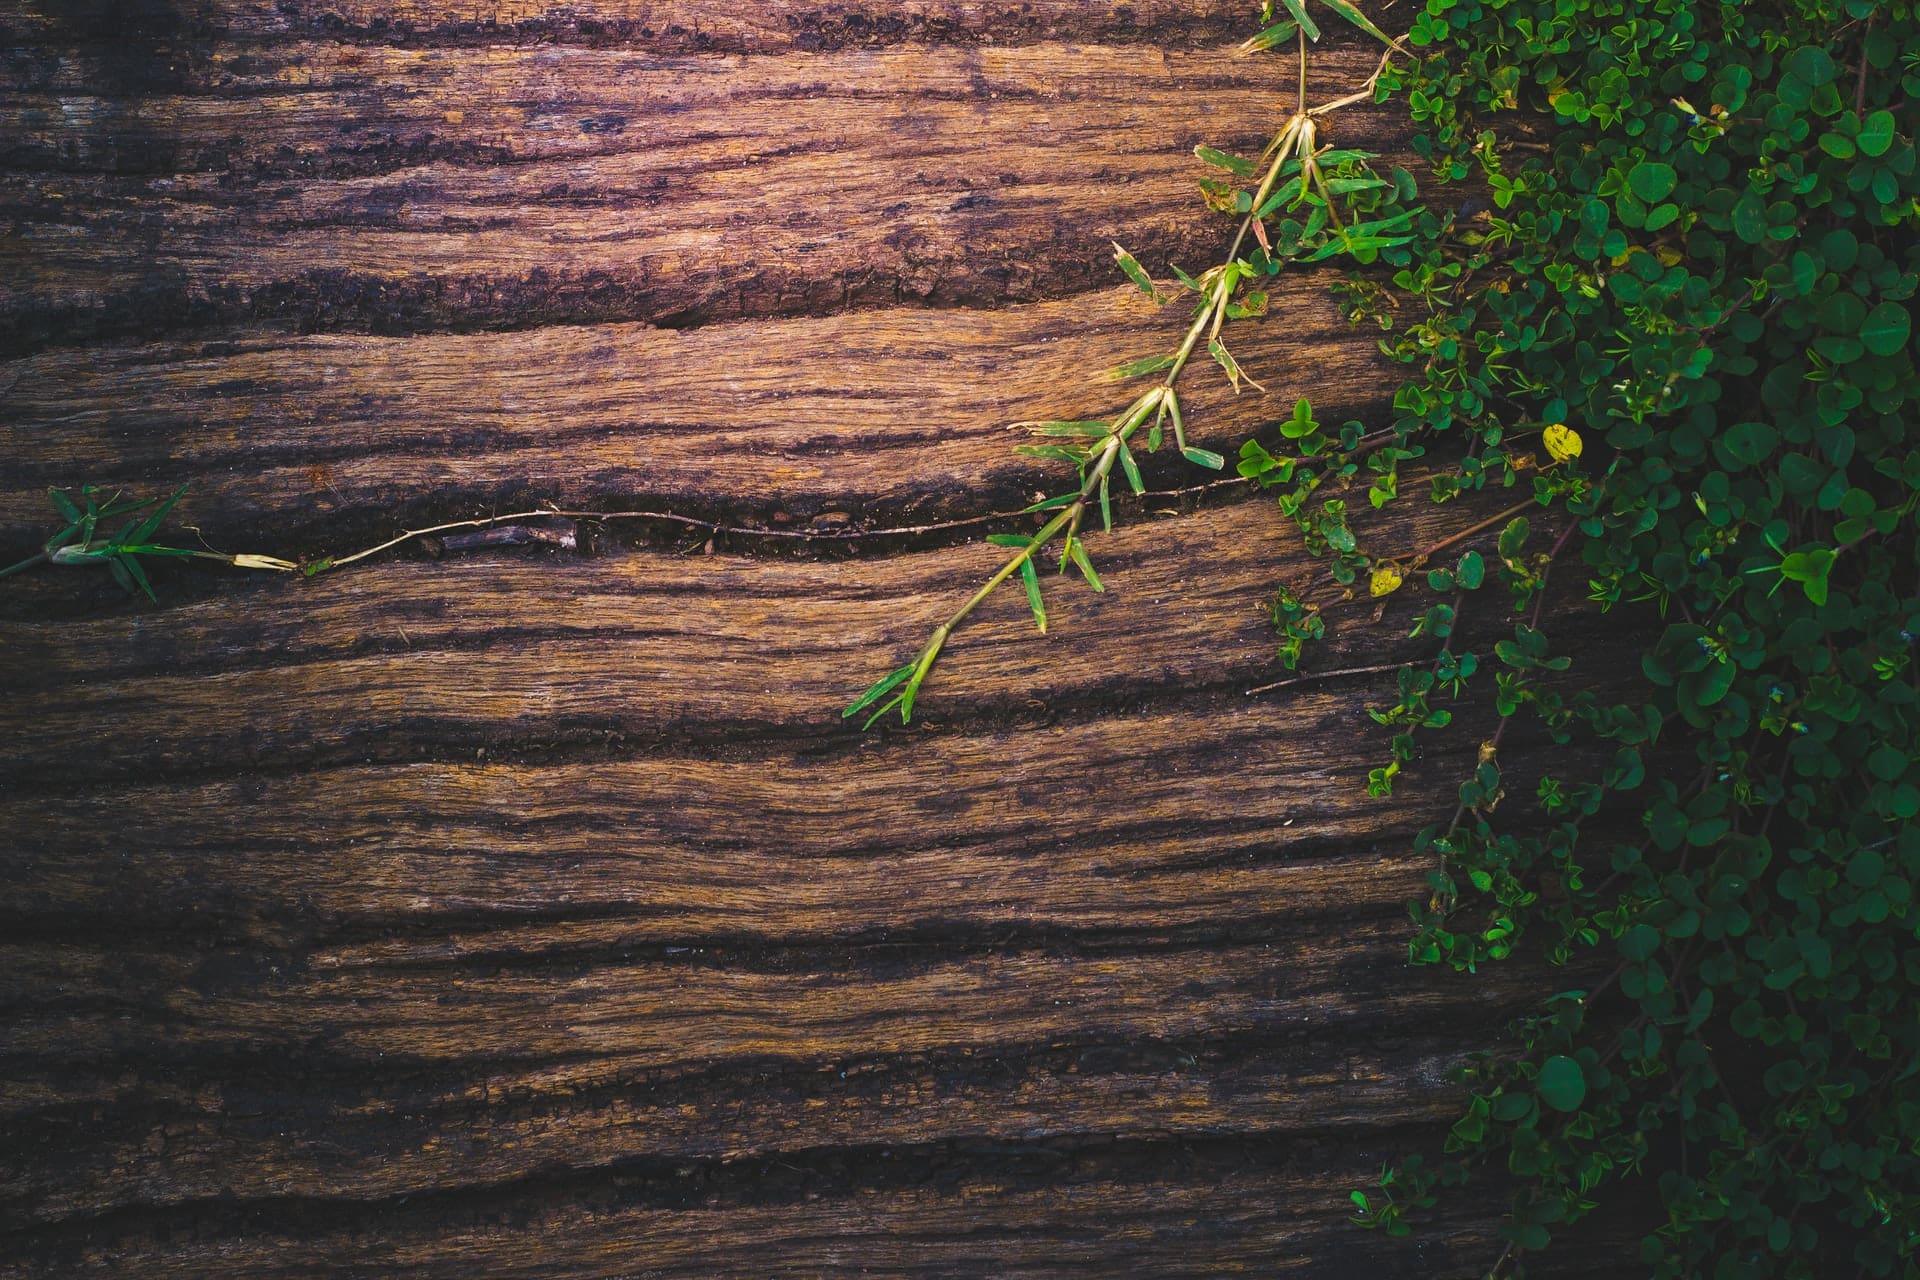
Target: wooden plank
{"x": 474, "y": 1076}
{"x": 797, "y": 845}
{"x": 771, "y": 26}
{"x": 495, "y": 190}
{"x": 1229, "y": 1209}
{"x": 649, "y": 648}
{"x": 896, "y": 415}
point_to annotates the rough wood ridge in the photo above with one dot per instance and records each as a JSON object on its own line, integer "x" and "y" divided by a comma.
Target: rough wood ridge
{"x": 533, "y": 914}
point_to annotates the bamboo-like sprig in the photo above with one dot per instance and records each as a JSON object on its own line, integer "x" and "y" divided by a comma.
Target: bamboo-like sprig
{"x": 77, "y": 544}
{"x": 1295, "y": 166}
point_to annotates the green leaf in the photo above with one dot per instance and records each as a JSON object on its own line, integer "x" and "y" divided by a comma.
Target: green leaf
{"x": 877, "y": 690}
{"x": 1886, "y": 329}
{"x": 1747, "y": 444}
{"x": 1132, "y": 470}
{"x": 1472, "y": 571}
{"x": 1562, "y": 1085}
{"x": 1135, "y": 272}
{"x": 1081, "y": 428}
{"x": 1203, "y": 458}
{"x": 1513, "y": 538}
{"x": 1031, "y": 576}
{"x": 151, "y": 525}
{"x": 1278, "y": 33}
{"x": 64, "y": 505}
{"x": 1139, "y": 368}
{"x": 1876, "y": 134}
{"x": 120, "y": 574}
{"x": 1298, "y": 9}
{"x": 1239, "y": 166}
{"x": 1050, "y": 504}
{"x": 1080, "y": 558}
{"x": 135, "y": 572}
{"x": 1639, "y": 943}
{"x": 1106, "y": 505}
{"x": 1837, "y": 145}
{"x": 1652, "y": 181}
{"x": 1352, "y": 14}
{"x": 1009, "y": 540}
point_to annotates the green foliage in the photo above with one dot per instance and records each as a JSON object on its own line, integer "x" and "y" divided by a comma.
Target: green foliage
{"x": 1345, "y": 210}
{"x": 1704, "y": 314}
{"x": 80, "y": 542}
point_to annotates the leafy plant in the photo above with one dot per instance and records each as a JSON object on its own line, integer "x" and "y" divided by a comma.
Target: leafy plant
{"x": 1704, "y": 317}
{"x": 1347, "y": 211}
{"x": 77, "y": 542}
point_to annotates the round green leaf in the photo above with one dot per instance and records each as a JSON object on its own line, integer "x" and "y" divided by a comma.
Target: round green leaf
{"x": 1750, "y": 218}
{"x": 1812, "y": 64}
{"x": 1639, "y": 942}
{"x": 1876, "y": 134}
{"x": 1562, "y": 1084}
{"x": 1837, "y": 146}
{"x": 1843, "y": 313}
{"x": 1652, "y": 181}
{"x": 1886, "y": 328}
{"x": 1746, "y": 444}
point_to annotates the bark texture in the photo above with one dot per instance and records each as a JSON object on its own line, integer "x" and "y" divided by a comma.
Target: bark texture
{"x": 532, "y": 913}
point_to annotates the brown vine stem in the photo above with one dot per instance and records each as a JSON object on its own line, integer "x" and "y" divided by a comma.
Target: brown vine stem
{"x": 1335, "y": 674}
{"x": 1455, "y": 539}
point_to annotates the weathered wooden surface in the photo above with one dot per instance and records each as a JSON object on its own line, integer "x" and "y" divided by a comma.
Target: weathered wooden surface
{"x": 892, "y": 416}
{"x": 526, "y": 914}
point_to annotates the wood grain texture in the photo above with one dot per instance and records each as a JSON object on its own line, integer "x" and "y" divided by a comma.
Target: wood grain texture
{"x": 649, "y": 649}
{"x": 772, "y": 26}
{"x": 399, "y": 188}
{"x": 537, "y": 915}
{"x": 881, "y": 416}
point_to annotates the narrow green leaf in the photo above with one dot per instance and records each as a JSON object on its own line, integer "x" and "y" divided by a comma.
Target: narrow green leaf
{"x": 1079, "y": 554}
{"x": 151, "y": 524}
{"x": 897, "y": 700}
{"x": 1065, "y": 453}
{"x": 1031, "y": 576}
{"x": 1082, "y": 428}
{"x": 1278, "y": 33}
{"x": 1203, "y": 458}
{"x": 1106, "y": 507}
{"x": 1049, "y": 504}
{"x": 1135, "y": 272}
{"x": 1239, "y": 166}
{"x": 138, "y": 574}
{"x": 877, "y": 690}
{"x": 1132, "y": 470}
{"x": 1298, "y": 8}
{"x": 64, "y": 505}
{"x": 1139, "y": 368}
{"x": 1008, "y": 540}
{"x": 1358, "y": 19}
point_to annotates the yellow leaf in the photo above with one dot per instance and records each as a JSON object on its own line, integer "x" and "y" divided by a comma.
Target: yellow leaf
{"x": 1386, "y": 581}
{"x": 1562, "y": 442}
